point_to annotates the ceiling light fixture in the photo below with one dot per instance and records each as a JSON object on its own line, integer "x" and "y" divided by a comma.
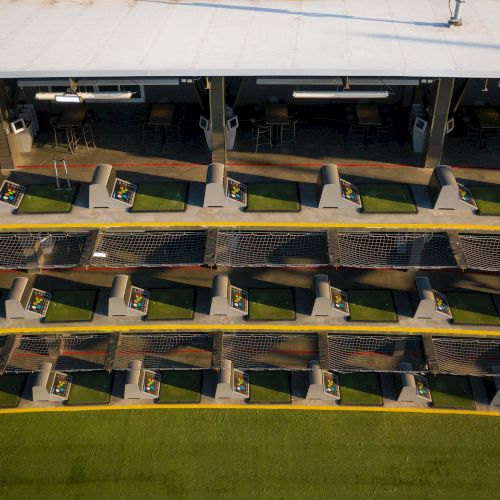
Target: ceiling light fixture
{"x": 346, "y": 94}
{"x": 76, "y": 97}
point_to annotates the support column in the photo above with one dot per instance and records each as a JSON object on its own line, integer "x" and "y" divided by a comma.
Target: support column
{"x": 6, "y": 161}
{"x": 442, "y": 100}
{"x": 218, "y": 119}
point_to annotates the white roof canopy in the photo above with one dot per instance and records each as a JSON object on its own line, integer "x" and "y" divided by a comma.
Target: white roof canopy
{"x": 50, "y": 38}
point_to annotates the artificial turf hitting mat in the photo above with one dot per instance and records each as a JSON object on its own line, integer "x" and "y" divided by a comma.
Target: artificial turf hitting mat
{"x": 180, "y": 386}
{"x": 360, "y": 389}
{"x": 387, "y": 198}
{"x": 371, "y": 305}
{"x": 269, "y": 386}
{"x": 271, "y": 304}
{"x": 46, "y": 198}
{"x": 160, "y": 197}
{"x": 71, "y": 305}
{"x": 11, "y": 389}
{"x": 186, "y": 454}
{"x": 487, "y": 199}
{"x": 451, "y": 391}
{"x": 90, "y": 388}
{"x": 171, "y": 303}
{"x": 273, "y": 197}
{"x": 470, "y": 308}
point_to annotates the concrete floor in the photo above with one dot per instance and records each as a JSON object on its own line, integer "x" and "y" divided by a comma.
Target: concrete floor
{"x": 299, "y": 279}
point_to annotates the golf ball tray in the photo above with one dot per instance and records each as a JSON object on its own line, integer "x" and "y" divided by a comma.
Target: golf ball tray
{"x": 340, "y": 302}
{"x": 11, "y": 193}
{"x": 138, "y": 300}
{"x": 465, "y": 195}
{"x": 61, "y": 386}
{"x": 236, "y": 191}
{"x": 331, "y": 384}
{"x": 38, "y": 302}
{"x": 240, "y": 383}
{"x": 124, "y": 191}
{"x": 151, "y": 383}
{"x": 238, "y": 299}
{"x": 350, "y": 192}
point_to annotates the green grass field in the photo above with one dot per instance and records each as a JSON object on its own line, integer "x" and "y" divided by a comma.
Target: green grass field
{"x": 46, "y": 198}
{"x": 371, "y": 305}
{"x": 273, "y": 197}
{"x": 470, "y": 308}
{"x": 487, "y": 199}
{"x": 224, "y": 454}
{"x": 271, "y": 304}
{"x": 71, "y": 305}
{"x": 396, "y": 198}
{"x": 160, "y": 197}
{"x": 90, "y": 388}
{"x": 269, "y": 386}
{"x": 171, "y": 303}
{"x": 11, "y": 389}
{"x": 450, "y": 391}
{"x": 360, "y": 389}
{"x": 180, "y": 386}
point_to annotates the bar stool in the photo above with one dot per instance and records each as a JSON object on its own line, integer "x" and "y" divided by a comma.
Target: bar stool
{"x": 263, "y": 134}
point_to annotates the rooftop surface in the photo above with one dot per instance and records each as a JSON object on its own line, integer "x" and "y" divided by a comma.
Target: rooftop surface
{"x": 247, "y": 37}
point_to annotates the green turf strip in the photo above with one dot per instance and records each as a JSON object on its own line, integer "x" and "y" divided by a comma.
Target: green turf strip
{"x": 180, "y": 386}
{"x": 371, "y": 305}
{"x": 71, "y": 305}
{"x": 271, "y": 304}
{"x": 273, "y": 197}
{"x": 46, "y": 198}
{"x": 396, "y": 198}
{"x": 450, "y": 391}
{"x": 221, "y": 454}
{"x": 487, "y": 199}
{"x": 470, "y": 308}
{"x": 90, "y": 388}
{"x": 11, "y": 389}
{"x": 160, "y": 197}
{"x": 360, "y": 389}
{"x": 171, "y": 303}
{"x": 269, "y": 386}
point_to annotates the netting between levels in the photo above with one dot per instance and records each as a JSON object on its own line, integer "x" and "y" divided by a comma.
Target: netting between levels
{"x": 66, "y": 353}
{"x": 396, "y": 250}
{"x": 165, "y": 351}
{"x": 463, "y": 356}
{"x": 150, "y": 249}
{"x": 265, "y": 248}
{"x": 481, "y": 252}
{"x": 270, "y": 351}
{"x": 18, "y": 250}
{"x": 358, "y": 353}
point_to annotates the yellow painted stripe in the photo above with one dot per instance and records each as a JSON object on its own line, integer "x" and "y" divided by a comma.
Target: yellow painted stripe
{"x": 376, "y": 409}
{"x": 247, "y": 327}
{"x": 260, "y": 224}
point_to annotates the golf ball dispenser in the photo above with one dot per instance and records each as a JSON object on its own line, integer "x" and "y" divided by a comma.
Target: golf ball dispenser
{"x": 51, "y": 385}
{"x": 328, "y": 300}
{"x": 11, "y": 194}
{"x": 228, "y": 300}
{"x": 413, "y": 388}
{"x": 334, "y": 192}
{"x": 430, "y": 304}
{"x": 24, "y": 301}
{"x": 323, "y": 384}
{"x": 141, "y": 383}
{"x": 447, "y": 194}
{"x": 221, "y": 191}
{"x": 231, "y": 382}
{"x": 107, "y": 191}
{"x": 126, "y": 299}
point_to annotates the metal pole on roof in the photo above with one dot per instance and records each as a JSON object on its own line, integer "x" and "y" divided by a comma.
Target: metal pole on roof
{"x": 456, "y": 18}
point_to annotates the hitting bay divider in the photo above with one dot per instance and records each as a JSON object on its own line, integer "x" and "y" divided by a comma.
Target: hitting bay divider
{"x": 247, "y": 248}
